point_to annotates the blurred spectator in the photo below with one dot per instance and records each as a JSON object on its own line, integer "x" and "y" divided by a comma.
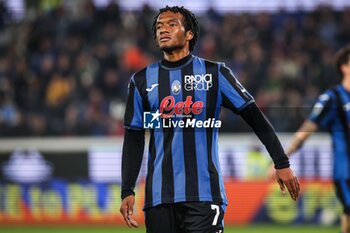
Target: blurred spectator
{"x": 9, "y": 114}
{"x": 4, "y": 14}
{"x": 97, "y": 110}
{"x": 257, "y": 164}
{"x": 133, "y": 59}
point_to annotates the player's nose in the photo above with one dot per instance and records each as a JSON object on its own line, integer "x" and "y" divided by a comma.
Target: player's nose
{"x": 164, "y": 32}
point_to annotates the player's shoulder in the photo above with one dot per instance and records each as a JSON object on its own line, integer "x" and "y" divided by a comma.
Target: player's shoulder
{"x": 140, "y": 77}
{"x": 208, "y": 61}
{"x": 326, "y": 103}
{"x": 222, "y": 68}
{"x": 332, "y": 92}
{"x": 328, "y": 95}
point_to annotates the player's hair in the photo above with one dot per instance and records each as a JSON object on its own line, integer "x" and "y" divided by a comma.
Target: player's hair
{"x": 190, "y": 22}
{"x": 342, "y": 57}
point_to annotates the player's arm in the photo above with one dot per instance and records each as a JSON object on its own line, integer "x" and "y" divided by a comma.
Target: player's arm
{"x": 133, "y": 147}
{"x": 236, "y": 98}
{"x": 303, "y": 133}
{"x": 267, "y": 135}
{"x": 322, "y": 114}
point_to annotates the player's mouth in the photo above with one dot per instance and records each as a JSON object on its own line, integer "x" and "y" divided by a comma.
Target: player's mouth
{"x": 165, "y": 39}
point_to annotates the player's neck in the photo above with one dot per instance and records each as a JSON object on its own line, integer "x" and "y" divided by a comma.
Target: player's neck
{"x": 174, "y": 56}
{"x": 346, "y": 83}
{"x": 176, "y": 64}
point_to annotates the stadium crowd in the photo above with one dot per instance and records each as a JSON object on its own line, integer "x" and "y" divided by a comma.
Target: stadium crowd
{"x": 65, "y": 73}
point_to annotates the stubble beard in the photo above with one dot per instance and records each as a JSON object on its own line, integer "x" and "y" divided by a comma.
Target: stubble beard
{"x": 170, "y": 49}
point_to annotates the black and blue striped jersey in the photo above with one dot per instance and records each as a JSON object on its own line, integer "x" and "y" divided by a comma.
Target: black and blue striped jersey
{"x": 332, "y": 112}
{"x": 180, "y": 105}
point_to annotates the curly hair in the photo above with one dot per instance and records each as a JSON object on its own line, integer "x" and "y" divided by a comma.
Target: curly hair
{"x": 190, "y": 22}
{"x": 342, "y": 57}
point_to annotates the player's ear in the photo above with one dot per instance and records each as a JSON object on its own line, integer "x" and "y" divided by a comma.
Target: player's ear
{"x": 189, "y": 35}
{"x": 344, "y": 68}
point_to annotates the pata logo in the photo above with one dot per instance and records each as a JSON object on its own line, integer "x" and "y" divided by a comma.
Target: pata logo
{"x": 198, "y": 82}
{"x": 346, "y": 107}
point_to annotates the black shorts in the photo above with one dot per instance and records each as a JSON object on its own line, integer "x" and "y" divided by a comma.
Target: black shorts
{"x": 342, "y": 188}
{"x": 185, "y": 217}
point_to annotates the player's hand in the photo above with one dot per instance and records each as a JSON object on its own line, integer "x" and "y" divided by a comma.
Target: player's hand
{"x": 286, "y": 179}
{"x": 127, "y": 210}
{"x": 271, "y": 173}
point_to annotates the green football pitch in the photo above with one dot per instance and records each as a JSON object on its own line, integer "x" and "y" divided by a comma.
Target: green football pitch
{"x": 228, "y": 229}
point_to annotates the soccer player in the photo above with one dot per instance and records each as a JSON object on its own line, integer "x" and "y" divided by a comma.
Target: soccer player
{"x": 179, "y": 98}
{"x": 331, "y": 112}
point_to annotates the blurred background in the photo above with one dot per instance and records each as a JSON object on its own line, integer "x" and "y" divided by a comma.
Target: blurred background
{"x": 64, "y": 69}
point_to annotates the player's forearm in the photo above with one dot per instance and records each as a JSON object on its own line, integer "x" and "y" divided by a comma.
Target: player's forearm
{"x": 267, "y": 135}
{"x": 133, "y": 147}
{"x": 301, "y": 135}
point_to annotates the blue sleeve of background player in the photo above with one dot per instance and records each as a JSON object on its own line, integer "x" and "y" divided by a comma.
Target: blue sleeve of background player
{"x": 324, "y": 110}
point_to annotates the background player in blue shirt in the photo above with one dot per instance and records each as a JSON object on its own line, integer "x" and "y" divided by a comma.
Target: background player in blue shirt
{"x": 332, "y": 112}
{"x": 179, "y": 99}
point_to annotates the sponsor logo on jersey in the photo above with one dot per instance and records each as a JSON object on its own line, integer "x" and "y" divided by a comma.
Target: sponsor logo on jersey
{"x": 319, "y": 106}
{"x": 168, "y": 107}
{"x": 152, "y": 87}
{"x": 346, "y": 107}
{"x": 317, "y": 109}
{"x": 198, "y": 82}
{"x": 172, "y": 114}
{"x": 176, "y": 87}
{"x": 324, "y": 97}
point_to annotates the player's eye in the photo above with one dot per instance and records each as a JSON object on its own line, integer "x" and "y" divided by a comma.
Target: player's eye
{"x": 172, "y": 24}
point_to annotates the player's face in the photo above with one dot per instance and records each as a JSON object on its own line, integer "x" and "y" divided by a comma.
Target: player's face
{"x": 170, "y": 32}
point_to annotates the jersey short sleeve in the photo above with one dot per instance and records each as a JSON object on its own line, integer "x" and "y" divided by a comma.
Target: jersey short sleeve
{"x": 324, "y": 110}
{"x": 234, "y": 95}
{"x": 133, "y": 118}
